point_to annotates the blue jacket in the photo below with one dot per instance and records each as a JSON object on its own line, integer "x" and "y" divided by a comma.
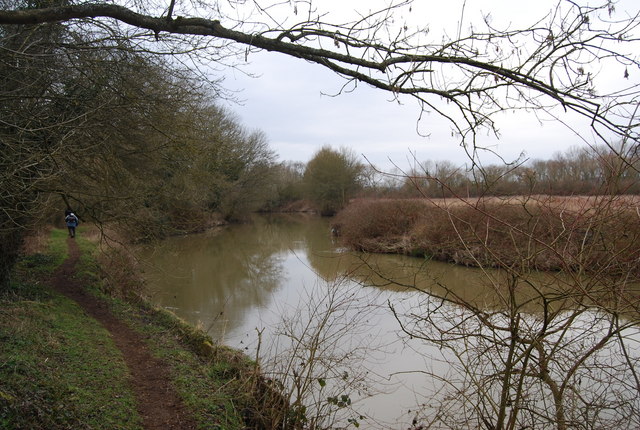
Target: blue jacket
{"x": 71, "y": 220}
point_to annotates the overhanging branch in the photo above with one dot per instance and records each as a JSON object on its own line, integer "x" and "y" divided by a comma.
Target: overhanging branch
{"x": 396, "y": 71}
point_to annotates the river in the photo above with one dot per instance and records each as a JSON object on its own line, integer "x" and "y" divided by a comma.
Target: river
{"x": 263, "y": 284}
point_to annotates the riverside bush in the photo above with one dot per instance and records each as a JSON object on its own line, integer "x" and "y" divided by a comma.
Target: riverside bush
{"x": 378, "y": 225}
{"x": 538, "y": 234}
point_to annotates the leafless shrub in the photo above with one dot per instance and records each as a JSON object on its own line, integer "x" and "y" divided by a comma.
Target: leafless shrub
{"x": 316, "y": 361}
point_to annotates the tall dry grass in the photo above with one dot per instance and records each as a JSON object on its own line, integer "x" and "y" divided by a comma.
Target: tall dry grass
{"x": 36, "y": 242}
{"x": 540, "y": 233}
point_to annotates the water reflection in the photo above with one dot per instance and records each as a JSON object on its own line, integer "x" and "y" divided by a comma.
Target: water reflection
{"x": 247, "y": 277}
{"x": 216, "y": 279}
{"x": 219, "y": 280}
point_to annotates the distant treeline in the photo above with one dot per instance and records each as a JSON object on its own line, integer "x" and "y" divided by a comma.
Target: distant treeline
{"x": 578, "y": 171}
{"x": 583, "y": 171}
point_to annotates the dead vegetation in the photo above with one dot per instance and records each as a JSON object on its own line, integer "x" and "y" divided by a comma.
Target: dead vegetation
{"x": 539, "y": 232}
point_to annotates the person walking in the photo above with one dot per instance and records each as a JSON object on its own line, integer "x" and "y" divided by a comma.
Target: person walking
{"x": 72, "y": 222}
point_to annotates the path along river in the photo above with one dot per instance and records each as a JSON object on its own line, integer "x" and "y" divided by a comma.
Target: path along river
{"x": 274, "y": 279}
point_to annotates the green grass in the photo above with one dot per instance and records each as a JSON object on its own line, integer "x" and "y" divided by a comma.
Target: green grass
{"x": 87, "y": 268}
{"x": 215, "y": 382}
{"x": 34, "y": 268}
{"x": 58, "y": 245}
{"x": 59, "y": 368}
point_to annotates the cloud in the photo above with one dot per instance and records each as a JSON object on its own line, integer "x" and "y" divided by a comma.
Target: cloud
{"x": 296, "y": 104}
{"x": 286, "y": 102}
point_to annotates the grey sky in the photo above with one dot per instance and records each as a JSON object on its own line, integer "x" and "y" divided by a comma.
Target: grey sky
{"x": 286, "y": 101}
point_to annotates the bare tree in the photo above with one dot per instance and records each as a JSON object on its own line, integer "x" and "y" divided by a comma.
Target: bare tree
{"x": 479, "y": 73}
{"x": 469, "y": 78}
{"x": 317, "y": 358}
{"x": 93, "y": 122}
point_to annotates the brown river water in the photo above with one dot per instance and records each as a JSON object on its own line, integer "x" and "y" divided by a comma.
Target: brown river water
{"x": 258, "y": 285}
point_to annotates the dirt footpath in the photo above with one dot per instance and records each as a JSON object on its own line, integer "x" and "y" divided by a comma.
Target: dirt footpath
{"x": 158, "y": 403}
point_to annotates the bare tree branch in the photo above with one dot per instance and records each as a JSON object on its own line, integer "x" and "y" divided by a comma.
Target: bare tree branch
{"x": 480, "y": 74}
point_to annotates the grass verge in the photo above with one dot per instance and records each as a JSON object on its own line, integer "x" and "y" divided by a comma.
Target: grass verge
{"x": 60, "y": 369}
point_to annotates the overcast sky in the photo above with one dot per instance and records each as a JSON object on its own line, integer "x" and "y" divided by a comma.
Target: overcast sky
{"x": 290, "y": 102}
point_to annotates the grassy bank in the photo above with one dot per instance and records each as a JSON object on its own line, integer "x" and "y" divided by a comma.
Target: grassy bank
{"x": 59, "y": 368}
{"x": 597, "y": 234}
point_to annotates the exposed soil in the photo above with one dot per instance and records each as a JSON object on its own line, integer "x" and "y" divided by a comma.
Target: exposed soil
{"x": 158, "y": 404}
